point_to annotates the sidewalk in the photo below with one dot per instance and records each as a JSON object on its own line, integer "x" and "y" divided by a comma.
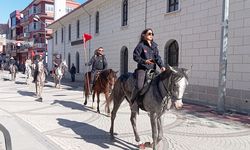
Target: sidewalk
{"x": 62, "y": 122}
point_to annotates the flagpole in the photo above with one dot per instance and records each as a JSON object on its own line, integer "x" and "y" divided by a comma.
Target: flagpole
{"x": 86, "y": 37}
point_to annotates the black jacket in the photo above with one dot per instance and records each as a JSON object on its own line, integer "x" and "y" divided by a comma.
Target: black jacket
{"x": 143, "y": 51}
{"x": 98, "y": 62}
{"x": 73, "y": 70}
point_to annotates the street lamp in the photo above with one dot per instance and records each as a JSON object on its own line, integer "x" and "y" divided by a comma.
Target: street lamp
{"x": 38, "y": 19}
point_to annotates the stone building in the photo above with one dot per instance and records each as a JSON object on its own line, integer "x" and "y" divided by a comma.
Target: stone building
{"x": 188, "y": 33}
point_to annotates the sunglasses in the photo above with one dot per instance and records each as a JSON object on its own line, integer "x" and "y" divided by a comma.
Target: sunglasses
{"x": 100, "y": 50}
{"x": 150, "y": 33}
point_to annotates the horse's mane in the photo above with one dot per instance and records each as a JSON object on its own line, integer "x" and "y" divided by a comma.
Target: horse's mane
{"x": 105, "y": 73}
{"x": 181, "y": 72}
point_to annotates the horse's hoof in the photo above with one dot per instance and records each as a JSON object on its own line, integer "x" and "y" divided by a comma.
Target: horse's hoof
{"x": 112, "y": 138}
{"x": 141, "y": 146}
{"x": 98, "y": 111}
{"x": 85, "y": 103}
{"x": 148, "y": 144}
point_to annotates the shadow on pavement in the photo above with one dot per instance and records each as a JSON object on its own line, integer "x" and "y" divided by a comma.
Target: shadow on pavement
{"x": 76, "y": 86}
{"x": 91, "y": 134}
{"x": 18, "y": 82}
{"x": 26, "y": 93}
{"x": 69, "y": 104}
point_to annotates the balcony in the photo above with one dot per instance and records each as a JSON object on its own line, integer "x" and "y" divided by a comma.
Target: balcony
{"x": 23, "y": 36}
{"x": 39, "y": 45}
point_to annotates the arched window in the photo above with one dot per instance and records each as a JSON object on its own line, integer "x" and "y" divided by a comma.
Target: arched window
{"x": 124, "y": 60}
{"x": 125, "y": 12}
{"x": 172, "y": 53}
{"x": 77, "y": 62}
{"x": 69, "y": 61}
{"x": 78, "y": 29}
{"x": 97, "y": 22}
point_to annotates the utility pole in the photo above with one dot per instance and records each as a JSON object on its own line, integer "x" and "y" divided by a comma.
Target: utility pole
{"x": 223, "y": 58}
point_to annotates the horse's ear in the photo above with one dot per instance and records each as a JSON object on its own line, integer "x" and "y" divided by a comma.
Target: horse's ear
{"x": 171, "y": 68}
{"x": 186, "y": 71}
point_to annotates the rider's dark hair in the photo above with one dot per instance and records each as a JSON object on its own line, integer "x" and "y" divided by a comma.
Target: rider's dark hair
{"x": 142, "y": 38}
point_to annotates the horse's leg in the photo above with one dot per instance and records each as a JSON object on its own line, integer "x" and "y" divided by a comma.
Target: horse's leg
{"x": 86, "y": 91}
{"x": 117, "y": 103}
{"x": 98, "y": 102}
{"x": 36, "y": 87}
{"x": 59, "y": 82}
{"x": 93, "y": 97}
{"x": 106, "y": 97}
{"x": 133, "y": 122}
{"x": 160, "y": 129}
{"x": 153, "y": 120}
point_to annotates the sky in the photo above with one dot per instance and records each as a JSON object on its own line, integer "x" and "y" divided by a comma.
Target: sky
{"x": 8, "y": 6}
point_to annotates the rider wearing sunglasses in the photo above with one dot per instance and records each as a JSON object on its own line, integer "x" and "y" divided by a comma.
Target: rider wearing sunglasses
{"x": 146, "y": 54}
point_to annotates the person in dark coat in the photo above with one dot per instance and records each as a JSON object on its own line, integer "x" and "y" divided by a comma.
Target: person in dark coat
{"x": 73, "y": 73}
{"x": 98, "y": 62}
{"x": 146, "y": 54}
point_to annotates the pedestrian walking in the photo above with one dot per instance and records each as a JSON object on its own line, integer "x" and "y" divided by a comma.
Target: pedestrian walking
{"x": 73, "y": 73}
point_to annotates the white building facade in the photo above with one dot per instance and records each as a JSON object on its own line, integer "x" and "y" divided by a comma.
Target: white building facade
{"x": 187, "y": 32}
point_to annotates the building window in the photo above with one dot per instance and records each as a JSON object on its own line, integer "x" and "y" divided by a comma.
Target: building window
{"x": 78, "y": 29}
{"x": 49, "y": 8}
{"x": 34, "y": 25}
{"x": 69, "y": 32}
{"x": 173, "y": 5}
{"x": 56, "y": 37}
{"x": 97, "y": 22}
{"x": 62, "y": 35}
{"x": 34, "y": 9}
{"x": 124, "y": 60}
{"x": 172, "y": 53}
{"x": 69, "y": 61}
{"x": 77, "y": 63}
{"x": 125, "y": 12}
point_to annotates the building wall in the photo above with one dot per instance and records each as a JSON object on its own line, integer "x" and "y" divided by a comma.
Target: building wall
{"x": 197, "y": 29}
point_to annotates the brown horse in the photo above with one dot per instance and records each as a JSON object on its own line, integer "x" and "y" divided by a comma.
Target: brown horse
{"x": 103, "y": 84}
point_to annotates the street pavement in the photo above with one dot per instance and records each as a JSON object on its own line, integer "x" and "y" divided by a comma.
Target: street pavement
{"x": 62, "y": 122}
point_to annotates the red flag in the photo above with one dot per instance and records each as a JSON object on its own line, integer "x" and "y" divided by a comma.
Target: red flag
{"x": 86, "y": 37}
{"x": 32, "y": 53}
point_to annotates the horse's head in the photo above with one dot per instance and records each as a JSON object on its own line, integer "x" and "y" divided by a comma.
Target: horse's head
{"x": 112, "y": 77}
{"x": 64, "y": 65}
{"x": 176, "y": 84}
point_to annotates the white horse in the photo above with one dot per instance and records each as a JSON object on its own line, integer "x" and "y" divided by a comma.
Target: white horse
{"x": 28, "y": 71}
{"x": 13, "y": 71}
{"x": 59, "y": 72}
{"x": 40, "y": 79}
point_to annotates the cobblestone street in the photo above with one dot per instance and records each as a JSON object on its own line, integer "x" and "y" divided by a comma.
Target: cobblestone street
{"x": 62, "y": 122}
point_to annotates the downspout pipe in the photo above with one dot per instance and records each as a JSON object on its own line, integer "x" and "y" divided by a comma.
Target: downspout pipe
{"x": 64, "y": 39}
{"x": 89, "y": 26}
{"x": 146, "y": 13}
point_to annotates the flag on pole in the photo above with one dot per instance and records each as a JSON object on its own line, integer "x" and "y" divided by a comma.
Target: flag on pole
{"x": 32, "y": 53}
{"x": 86, "y": 37}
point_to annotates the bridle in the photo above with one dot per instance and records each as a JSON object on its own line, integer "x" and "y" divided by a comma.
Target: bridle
{"x": 170, "y": 96}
